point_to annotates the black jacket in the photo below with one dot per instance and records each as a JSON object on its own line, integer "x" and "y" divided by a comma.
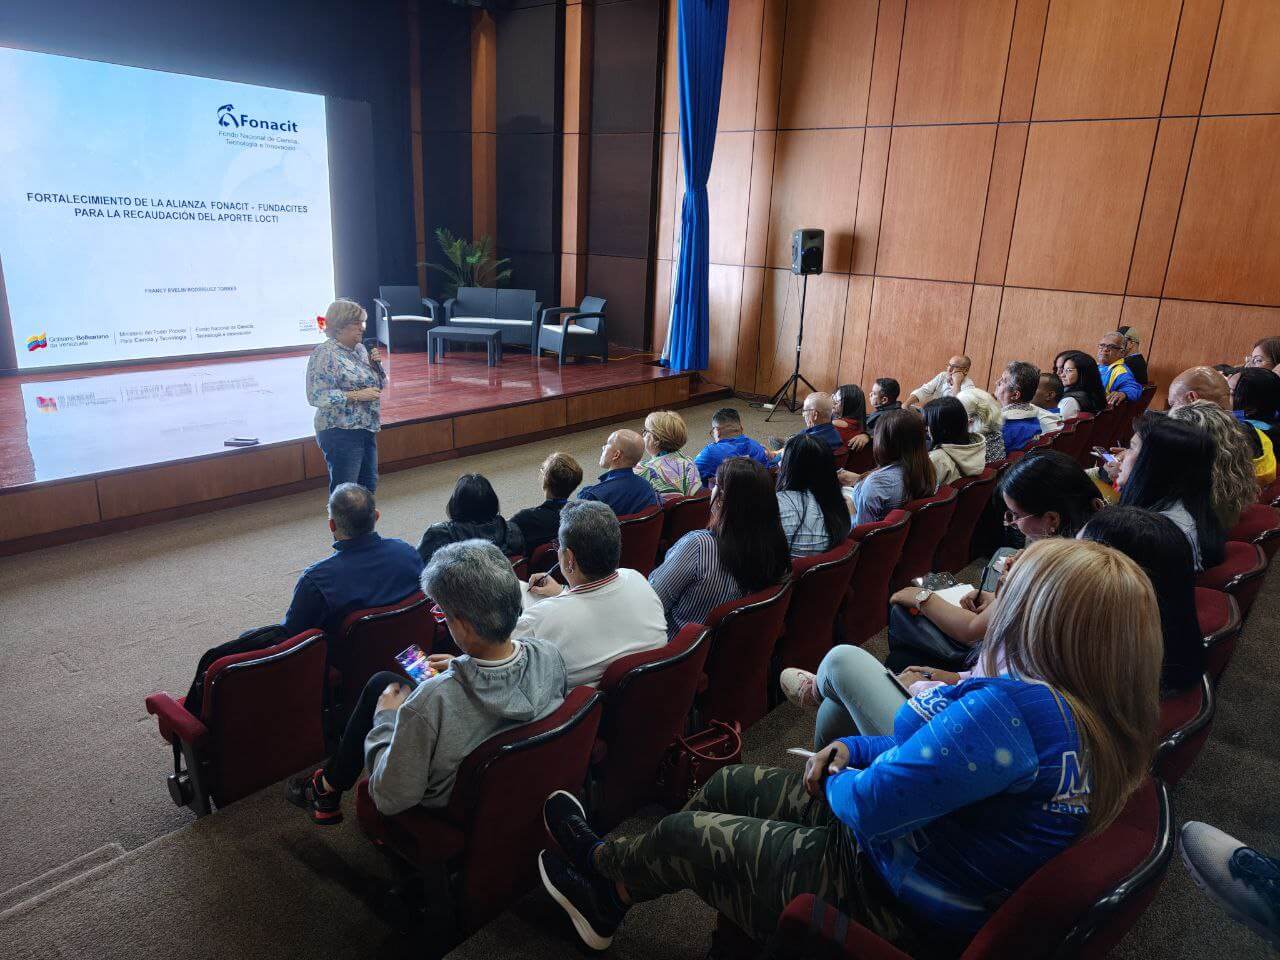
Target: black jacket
{"x": 505, "y": 536}
{"x": 540, "y": 524}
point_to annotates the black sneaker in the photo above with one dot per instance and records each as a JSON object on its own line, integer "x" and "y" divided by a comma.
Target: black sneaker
{"x": 592, "y": 905}
{"x": 566, "y": 822}
{"x": 325, "y": 806}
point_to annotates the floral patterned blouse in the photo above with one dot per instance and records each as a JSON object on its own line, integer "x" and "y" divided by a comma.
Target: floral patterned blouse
{"x": 671, "y": 475}
{"x": 334, "y": 369}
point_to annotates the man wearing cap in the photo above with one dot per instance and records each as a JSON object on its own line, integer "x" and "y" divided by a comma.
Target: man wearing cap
{"x": 1134, "y": 359}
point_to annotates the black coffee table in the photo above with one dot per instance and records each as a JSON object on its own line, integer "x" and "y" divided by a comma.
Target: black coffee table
{"x": 437, "y": 337}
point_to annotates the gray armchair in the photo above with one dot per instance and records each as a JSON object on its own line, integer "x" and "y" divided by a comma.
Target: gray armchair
{"x": 578, "y": 332}
{"x": 513, "y": 312}
{"x": 405, "y": 315}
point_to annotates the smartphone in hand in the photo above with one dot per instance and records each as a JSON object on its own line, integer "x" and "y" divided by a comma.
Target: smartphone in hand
{"x": 414, "y": 661}
{"x": 1104, "y": 455}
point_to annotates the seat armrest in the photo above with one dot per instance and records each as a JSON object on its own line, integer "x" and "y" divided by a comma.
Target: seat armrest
{"x": 384, "y": 308}
{"x": 556, "y": 311}
{"x": 175, "y": 719}
{"x": 448, "y": 308}
{"x": 432, "y": 307}
{"x": 534, "y": 312}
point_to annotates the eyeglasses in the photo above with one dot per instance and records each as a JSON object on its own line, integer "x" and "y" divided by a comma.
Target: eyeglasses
{"x": 1255, "y": 361}
{"x": 1012, "y": 519}
{"x": 1111, "y": 346}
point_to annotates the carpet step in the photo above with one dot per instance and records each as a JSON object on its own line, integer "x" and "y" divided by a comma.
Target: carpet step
{"x": 15, "y": 897}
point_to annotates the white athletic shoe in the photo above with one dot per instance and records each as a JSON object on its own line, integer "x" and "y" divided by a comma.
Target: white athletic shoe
{"x": 801, "y": 688}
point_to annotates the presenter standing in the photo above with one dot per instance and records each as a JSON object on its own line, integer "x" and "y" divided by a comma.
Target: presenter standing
{"x": 344, "y": 383}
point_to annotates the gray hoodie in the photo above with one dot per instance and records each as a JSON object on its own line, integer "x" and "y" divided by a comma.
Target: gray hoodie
{"x": 413, "y": 753}
{"x": 951, "y": 461}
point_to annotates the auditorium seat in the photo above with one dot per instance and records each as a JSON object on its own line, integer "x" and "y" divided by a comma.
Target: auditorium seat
{"x": 929, "y": 519}
{"x": 972, "y": 496}
{"x": 1218, "y": 615}
{"x": 819, "y": 585}
{"x": 743, "y": 635}
{"x": 260, "y": 721}
{"x": 640, "y": 535}
{"x": 860, "y": 461}
{"x": 1259, "y": 524}
{"x": 1079, "y": 904}
{"x": 682, "y": 515}
{"x": 1135, "y": 410}
{"x": 407, "y": 316}
{"x": 1185, "y": 720}
{"x": 478, "y": 853}
{"x": 866, "y": 609}
{"x": 647, "y": 699}
{"x": 1105, "y": 428}
{"x": 1080, "y": 448}
{"x": 1240, "y": 574}
{"x": 544, "y": 557}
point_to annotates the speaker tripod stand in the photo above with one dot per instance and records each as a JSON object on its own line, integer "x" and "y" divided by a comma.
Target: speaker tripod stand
{"x": 793, "y": 382}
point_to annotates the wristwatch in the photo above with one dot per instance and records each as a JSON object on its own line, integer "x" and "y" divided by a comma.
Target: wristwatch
{"x": 923, "y": 597}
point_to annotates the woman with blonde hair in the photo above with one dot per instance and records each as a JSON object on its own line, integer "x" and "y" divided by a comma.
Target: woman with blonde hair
{"x": 922, "y": 834}
{"x": 344, "y": 383}
{"x": 1234, "y": 482}
{"x": 669, "y": 472}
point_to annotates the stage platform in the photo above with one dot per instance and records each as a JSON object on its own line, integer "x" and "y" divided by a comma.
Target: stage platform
{"x": 92, "y": 452}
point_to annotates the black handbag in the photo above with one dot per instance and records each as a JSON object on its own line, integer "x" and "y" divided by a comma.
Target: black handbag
{"x": 914, "y": 640}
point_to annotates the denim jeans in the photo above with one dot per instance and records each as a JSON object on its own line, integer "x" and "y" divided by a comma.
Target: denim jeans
{"x": 857, "y": 697}
{"x": 352, "y": 456}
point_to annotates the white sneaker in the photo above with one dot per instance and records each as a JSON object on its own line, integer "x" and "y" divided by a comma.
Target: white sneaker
{"x": 801, "y": 688}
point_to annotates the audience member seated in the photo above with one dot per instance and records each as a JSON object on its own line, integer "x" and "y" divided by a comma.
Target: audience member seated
{"x": 1046, "y": 494}
{"x": 413, "y": 739}
{"x": 851, "y": 416}
{"x": 1235, "y": 484}
{"x": 903, "y": 471}
{"x": 884, "y": 399}
{"x": 1133, "y": 358}
{"x": 605, "y": 612}
{"x": 1117, "y": 379}
{"x": 1255, "y": 398}
{"x": 1014, "y": 389}
{"x": 473, "y": 515}
{"x": 1169, "y": 469}
{"x": 921, "y": 835}
{"x": 986, "y": 420}
{"x": 816, "y": 412}
{"x": 619, "y": 486}
{"x": 1049, "y": 393}
{"x": 665, "y": 468}
{"x": 1265, "y": 354}
{"x": 948, "y": 383}
{"x": 1208, "y": 383}
{"x": 742, "y": 550}
{"x": 727, "y": 440}
{"x": 1082, "y": 385}
{"x": 955, "y": 451}
{"x": 1155, "y": 543}
{"x": 560, "y": 475}
{"x": 364, "y": 570}
{"x": 815, "y": 517}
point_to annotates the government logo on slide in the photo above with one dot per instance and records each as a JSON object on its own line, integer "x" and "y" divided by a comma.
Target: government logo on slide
{"x": 227, "y": 117}
{"x": 38, "y": 341}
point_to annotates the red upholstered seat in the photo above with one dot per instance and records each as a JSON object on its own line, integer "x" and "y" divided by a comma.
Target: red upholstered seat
{"x": 866, "y": 609}
{"x": 818, "y": 588}
{"x": 1079, "y": 904}
{"x": 640, "y": 535}
{"x": 860, "y": 461}
{"x": 1063, "y": 439}
{"x": 1258, "y": 524}
{"x": 543, "y": 557}
{"x": 1106, "y": 425}
{"x": 1185, "y": 720}
{"x": 1134, "y": 411}
{"x": 1220, "y": 625}
{"x": 1080, "y": 445}
{"x": 930, "y": 517}
{"x": 682, "y": 515}
{"x": 743, "y": 635}
{"x": 368, "y": 642}
{"x": 260, "y": 722}
{"x": 486, "y": 840}
{"x": 1270, "y": 494}
{"x": 1240, "y": 574}
{"x": 648, "y": 697}
{"x": 973, "y": 495}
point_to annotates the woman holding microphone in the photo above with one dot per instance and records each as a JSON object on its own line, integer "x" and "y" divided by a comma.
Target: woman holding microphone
{"x": 344, "y": 382}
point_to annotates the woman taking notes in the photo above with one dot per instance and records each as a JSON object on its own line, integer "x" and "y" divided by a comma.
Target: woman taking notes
{"x": 344, "y": 382}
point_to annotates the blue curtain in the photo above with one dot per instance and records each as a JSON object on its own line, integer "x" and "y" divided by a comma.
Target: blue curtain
{"x": 703, "y": 25}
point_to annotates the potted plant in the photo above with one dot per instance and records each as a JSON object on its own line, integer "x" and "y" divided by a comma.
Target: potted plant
{"x": 471, "y": 263}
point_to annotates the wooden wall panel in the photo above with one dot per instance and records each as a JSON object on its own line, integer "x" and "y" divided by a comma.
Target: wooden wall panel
{"x": 670, "y": 390}
{"x": 884, "y": 66}
{"x": 1245, "y": 76}
{"x": 980, "y": 338}
{"x": 175, "y": 485}
{"x": 741, "y": 65}
{"x": 826, "y": 64}
{"x": 953, "y": 58}
{"x": 313, "y": 464}
{"x": 1188, "y": 334}
{"x": 724, "y": 294}
{"x": 670, "y": 72}
{"x": 668, "y": 210}
{"x": 1036, "y": 325}
{"x": 1227, "y": 246}
{"x": 761, "y": 195}
{"x": 476, "y": 428}
{"x": 823, "y": 329}
{"x": 1139, "y": 314}
{"x": 916, "y": 325}
{"x": 1160, "y": 206}
{"x": 866, "y": 227}
{"x": 728, "y": 196}
{"x": 414, "y": 440}
{"x": 773, "y": 32}
{"x": 744, "y": 378}
{"x": 28, "y": 513}
{"x": 857, "y": 318}
{"x": 663, "y": 279}
{"x": 1002, "y": 202}
{"x": 933, "y": 201}
{"x": 610, "y": 403}
{"x": 1105, "y": 58}
{"x": 815, "y": 184}
{"x": 1078, "y": 205}
{"x": 1024, "y": 59}
{"x": 1190, "y": 68}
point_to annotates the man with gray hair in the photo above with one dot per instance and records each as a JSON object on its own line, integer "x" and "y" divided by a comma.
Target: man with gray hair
{"x": 413, "y": 740}
{"x": 605, "y": 612}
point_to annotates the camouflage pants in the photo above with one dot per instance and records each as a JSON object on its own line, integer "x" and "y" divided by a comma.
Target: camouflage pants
{"x": 747, "y": 843}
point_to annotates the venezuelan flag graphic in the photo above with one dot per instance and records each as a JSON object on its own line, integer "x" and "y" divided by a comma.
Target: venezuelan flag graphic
{"x": 47, "y": 404}
{"x": 38, "y": 342}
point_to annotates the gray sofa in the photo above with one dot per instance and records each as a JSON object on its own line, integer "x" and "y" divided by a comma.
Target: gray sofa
{"x": 513, "y": 312}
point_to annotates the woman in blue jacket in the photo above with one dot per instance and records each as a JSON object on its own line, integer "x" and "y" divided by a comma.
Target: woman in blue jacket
{"x": 919, "y": 835}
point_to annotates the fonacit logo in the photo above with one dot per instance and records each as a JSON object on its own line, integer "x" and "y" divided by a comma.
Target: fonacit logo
{"x": 38, "y": 341}
{"x": 47, "y": 404}
{"x": 227, "y": 117}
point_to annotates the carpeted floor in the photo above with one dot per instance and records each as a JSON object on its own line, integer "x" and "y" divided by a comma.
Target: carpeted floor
{"x": 95, "y": 861}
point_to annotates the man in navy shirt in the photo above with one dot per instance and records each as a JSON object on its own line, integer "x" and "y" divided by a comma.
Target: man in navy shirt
{"x": 727, "y": 441}
{"x": 620, "y": 486}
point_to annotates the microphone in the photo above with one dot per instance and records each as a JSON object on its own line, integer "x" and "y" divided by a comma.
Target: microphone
{"x": 370, "y": 344}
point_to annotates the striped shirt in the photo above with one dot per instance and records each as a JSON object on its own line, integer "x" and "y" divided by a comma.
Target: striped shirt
{"x": 332, "y": 371}
{"x": 691, "y": 582}
{"x": 802, "y": 523}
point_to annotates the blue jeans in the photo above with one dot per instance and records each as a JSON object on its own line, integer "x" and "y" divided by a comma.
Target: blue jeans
{"x": 352, "y": 456}
{"x": 857, "y": 698}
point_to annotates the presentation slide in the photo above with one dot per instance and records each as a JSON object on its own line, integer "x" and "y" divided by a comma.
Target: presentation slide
{"x": 147, "y": 214}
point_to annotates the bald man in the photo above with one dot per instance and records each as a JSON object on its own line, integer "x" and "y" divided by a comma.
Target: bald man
{"x": 620, "y": 486}
{"x": 1206, "y": 383}
{"x": 948, "y": 383}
